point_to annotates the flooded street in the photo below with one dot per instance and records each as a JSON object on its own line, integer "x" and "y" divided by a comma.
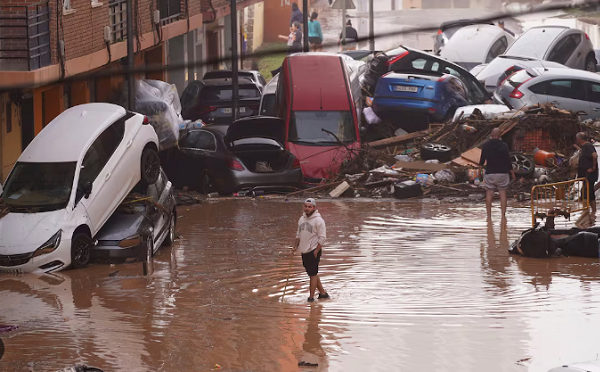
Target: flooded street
{"x": 415, "y": 286}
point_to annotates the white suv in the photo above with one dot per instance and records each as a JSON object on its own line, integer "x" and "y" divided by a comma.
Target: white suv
{"x": 69, "y": 181}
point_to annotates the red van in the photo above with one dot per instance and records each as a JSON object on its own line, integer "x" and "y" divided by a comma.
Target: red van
{"x": 314, "y": 95}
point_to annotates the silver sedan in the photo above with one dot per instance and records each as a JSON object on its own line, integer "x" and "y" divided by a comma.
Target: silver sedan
{"x": 573, "y": 90}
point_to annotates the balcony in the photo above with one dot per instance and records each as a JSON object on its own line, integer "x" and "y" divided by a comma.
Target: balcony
{"x": 24, "y": 37}
{"x": 170, "y": 10}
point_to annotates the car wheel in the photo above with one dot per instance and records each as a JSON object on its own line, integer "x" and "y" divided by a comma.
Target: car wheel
{"x": 150, "y": 166}
{"x": 436, "y": 151}
{"x": 171, "y": 233}
{"x": 522, "y": 164}
{"x": 81, "y": 247}
{"x": 590, "y": 64}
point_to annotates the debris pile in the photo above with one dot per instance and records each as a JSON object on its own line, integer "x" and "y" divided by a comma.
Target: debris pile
{"x": 444, "y": 160}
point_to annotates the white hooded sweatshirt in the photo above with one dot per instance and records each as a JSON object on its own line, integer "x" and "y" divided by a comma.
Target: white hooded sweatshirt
{"x": 311, "y": 232}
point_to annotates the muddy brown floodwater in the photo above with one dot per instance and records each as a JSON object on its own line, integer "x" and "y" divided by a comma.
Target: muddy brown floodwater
{"x": 415, "y": 286}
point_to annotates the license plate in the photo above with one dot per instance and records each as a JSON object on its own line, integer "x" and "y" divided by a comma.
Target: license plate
{"x": 228, "y": 110}
{"x": 404, "y": 88}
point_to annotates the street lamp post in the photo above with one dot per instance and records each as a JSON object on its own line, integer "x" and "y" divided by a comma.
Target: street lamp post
{"x": 234, "y": 60}
{"x": 371, "y": 28}
{"x": 130, "y": 76}
{"x": 305, "y": 25}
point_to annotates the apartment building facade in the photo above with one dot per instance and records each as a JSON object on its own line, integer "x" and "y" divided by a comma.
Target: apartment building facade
{"x": 84, "y": 42}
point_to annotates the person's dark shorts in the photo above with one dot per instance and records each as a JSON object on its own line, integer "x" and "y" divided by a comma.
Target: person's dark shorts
{"x": 311, "y": 263}
{"x": 315, "y": 40}
{"x": 592, "y": 178}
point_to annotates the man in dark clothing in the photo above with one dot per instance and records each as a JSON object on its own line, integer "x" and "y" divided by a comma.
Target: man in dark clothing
{"x": 351, "y": 40}
{"x": 501, "y": 25}
{"x": 498, "y": 166}
{"x": 588, "y": 168}
{"x": 297, "y": 15}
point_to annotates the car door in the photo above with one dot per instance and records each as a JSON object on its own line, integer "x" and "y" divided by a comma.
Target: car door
{"x": 563, "y": 52}
{"x": 568, "y": 94}
{"x": 126, "y": 159}
{"x": 95, "y": 170}
{"x": 593, "y": 97}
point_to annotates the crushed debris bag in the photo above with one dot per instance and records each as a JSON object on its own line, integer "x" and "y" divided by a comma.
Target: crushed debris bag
{"x": 445, "y": 176}
{"x": 371, "y": 117}
{"x": 159, "y": 101}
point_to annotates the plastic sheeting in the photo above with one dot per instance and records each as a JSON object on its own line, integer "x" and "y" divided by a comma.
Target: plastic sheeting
{"x": 159, "y": 101}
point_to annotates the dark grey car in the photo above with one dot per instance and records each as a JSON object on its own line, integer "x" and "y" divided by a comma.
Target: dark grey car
{"x": 138, "y": 229}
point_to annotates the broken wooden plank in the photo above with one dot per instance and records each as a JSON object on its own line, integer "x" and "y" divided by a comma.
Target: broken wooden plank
{"x": 420, "y": 165}
{"x": 382, "y": 183}
{"x": 472, "y": 155}
{"x": 339, "y": 190}
{"x": 464, "y": 162}
{"x": 316, "y": 188}
{"x": 398, "y": 139}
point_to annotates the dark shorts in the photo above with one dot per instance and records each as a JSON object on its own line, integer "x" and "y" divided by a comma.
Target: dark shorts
{"x": 315, "y": 40}
{"x": 311, "y": 263}
{"x": 592, "y": 178}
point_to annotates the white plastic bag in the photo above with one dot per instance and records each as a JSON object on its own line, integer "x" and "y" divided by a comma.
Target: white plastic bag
{"x": 445, "y": 175}
{"x": 371, "y": 116}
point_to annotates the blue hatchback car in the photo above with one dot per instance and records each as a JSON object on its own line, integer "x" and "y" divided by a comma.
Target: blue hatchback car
{"x": 413, "y": 100}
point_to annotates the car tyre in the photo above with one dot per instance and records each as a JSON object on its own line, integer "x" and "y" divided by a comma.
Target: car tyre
{"x": 81, "y": 248}
{"x": 150, "y": 166}
{"x": 590, "y": 64}
{"x": 522, "y": 164}
{"x": 436, "y": 151}
{"x": 171, "y": 232}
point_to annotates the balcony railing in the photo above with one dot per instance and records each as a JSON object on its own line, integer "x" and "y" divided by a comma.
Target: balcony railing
{"x": 24, "y": 37}
{"x": 170, "y": 10}
{"x": 118, "y": 19}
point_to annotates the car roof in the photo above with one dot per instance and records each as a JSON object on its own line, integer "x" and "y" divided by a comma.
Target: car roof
{"x": 412, "y": 50}
{"x": 66, "y": 137}
{"x": 224, "y": 81}
{"x": 248, "y": 72}
{"x": 214, "y": 128}
{"x": 318, "y": 79}
{"x": 567, "y": 73}
{"x": 472, "y": 43}
{"x": 460, "y": 22}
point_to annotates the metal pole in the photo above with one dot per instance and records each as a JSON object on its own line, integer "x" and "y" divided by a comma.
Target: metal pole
{"x": 371, "y": 27}
{"x": 343, "y": 22}
{"x": 305, "y": 25}
{"x": 130, "y": 76}
{"x": 234, "y": 59}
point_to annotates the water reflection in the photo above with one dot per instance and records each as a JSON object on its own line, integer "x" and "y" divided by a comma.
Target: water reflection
{"x": 414, "y": 285}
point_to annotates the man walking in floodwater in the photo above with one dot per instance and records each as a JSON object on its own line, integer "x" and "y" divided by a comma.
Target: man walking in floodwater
{"x": 588, "y": 168}
{"x": 496, "y": 158}
{"x": 310, "y": 239}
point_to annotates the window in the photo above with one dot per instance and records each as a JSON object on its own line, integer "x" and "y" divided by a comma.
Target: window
{"x": 268, "y": 105}
{"x": 117, "y": 15}
{"x": 540, "y": 88}
{"x": 475, "y": 93}
{"x": 67, "y": 4}
{"x": 223, "y": 93}
{"x": 307, "y": 127}
{"x": 425, "y": 64}
{"x": 535, "y": 42}
{"x": 38, "y": 187}
{"x": 456, "y": 87}
{"x": 497, "y": 48}
{"x": 200, "y": 140}
{"x": 189, "y": 94}
{"x": 593, "y": 92}
{"x": 98, "y": 155}
{"x": 572, "y": 89}
{"x": 262, "y": 80}
{"x": 564, "y": 49}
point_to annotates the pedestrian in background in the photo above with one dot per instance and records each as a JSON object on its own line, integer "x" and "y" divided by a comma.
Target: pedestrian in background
{"x": 351, "y": 40}
{"x": 310, "y": 239}
{"x": 496, "y": 157}
{"x": 297, "y": 15}
{"x": 588, "y": 168}
{"x": 294, "y": 39}
{"x": 501, "y": 25}
{"x": 315, "y": 34}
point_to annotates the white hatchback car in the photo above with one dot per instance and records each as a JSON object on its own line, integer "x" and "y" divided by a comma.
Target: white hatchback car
{"x": 69, "y": 181}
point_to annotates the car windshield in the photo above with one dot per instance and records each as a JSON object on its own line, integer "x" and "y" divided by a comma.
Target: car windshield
{"x": 535, "y": 42}
{"x": 224, "y": 93}
{"x": 309, "y": 126}
{"x": 268, "y": 105}
{"x": 39, "y": 187}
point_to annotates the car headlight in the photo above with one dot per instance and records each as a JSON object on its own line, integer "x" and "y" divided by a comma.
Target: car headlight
{"x": 132, "y": 241}
{"x": 50, "y": 245}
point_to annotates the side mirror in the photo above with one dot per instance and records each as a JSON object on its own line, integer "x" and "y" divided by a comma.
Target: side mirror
{"x": 87, "y": 189}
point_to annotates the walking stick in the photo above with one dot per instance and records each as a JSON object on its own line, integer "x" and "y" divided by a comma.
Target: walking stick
{"x": 288, "y": 276}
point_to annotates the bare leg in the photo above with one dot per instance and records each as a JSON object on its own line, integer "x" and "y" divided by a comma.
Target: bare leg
{"x": 489, "y": 196}
{"x": 314, "y": 280}
{"x": 320, "y": 286}
{"x": 503, "y": 203}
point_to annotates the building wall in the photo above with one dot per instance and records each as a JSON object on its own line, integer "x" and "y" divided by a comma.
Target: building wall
{"x": 10, "y": 136}
{"x": 410, "y": 4}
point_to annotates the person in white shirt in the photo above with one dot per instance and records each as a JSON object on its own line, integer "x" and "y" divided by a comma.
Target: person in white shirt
{"x": 310, "y": 239}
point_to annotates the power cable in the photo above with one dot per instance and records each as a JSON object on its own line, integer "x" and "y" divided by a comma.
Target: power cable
{"x": 278, "y": 51}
